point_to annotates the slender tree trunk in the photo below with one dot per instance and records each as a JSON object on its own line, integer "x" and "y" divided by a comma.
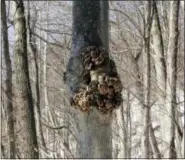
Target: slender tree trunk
{"x": 164, "y": 14}
{"x": 24, "y": 102}
{"x": 183, "y": 139}
{"x": 160, "y": 66}
{"x": 46, "y": 103}
{"x": 124, "y": 134}
{"x": 8, "y": 83}
{"x": 159, "y": 58}
{"x": 147, "y": 81}
{"x": 129, "y": 127}
{"x": 2, "y": 151}
{"x": 40, "y": 52}
{"x": 49, "y": 112}
{"x": 34, "y": 52}
{"x": 170, "y": 107}
{"x": 155, "y": 148}
{"x": 44, "y": 60}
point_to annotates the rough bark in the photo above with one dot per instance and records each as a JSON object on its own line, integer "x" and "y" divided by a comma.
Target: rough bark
{"x": 170, "y": 108}
{"x": 8, "y": 83}
{"x": 27, "y": 138}
{"x": 95, "y": 139}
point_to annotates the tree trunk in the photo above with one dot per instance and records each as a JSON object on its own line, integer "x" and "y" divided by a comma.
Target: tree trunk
{"x": 24, "y": 102}
{"x": 8, "y": 83}
{"x": 155, "y": 148}
{"x": 34, "y": 52}
{"x": 49, "y": 112}
{"x": 46, "y": 103}
{"x": 159, "y": 58}
{"x": 160, "y": 66}
{"x": 96, "y": 140}
{"x": 170, "y": 108}
{"x": 147, "y": 82}
{"x": 104, "y": 21}
{"x": 95, "y": 135}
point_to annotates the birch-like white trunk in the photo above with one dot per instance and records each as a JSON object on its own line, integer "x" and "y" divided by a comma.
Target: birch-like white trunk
{"x": 158, "y": 56}
{"x": 170, "y": 108}
{"x": 34, "y": 52}
{"x": 46, "y": 103}
{"x": 160, "y": 66}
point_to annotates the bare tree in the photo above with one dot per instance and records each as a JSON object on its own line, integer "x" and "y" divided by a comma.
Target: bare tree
{"x": 95, "y": 124}
{"x": 160, "y": 67}
{"x": 154, "y": 144}
{"x": 147, "y": 79}
{"x": 46, "y": 103}
{"x": 8, "y": 83}
{"x": 159, "y": 59}
{"x": 34, "y": 52}
{"x": 171, "y": 105}
{"x": 27, "y": 138}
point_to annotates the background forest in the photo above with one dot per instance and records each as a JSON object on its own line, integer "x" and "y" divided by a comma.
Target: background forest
{"x": 146, "y": 42}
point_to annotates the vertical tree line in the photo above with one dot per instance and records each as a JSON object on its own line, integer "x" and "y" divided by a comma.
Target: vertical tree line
{"x": 90, "y": 28}
{"x": 172, "y": 77}
{"x": 27, "y": 139}
{"x": 8, "y": 83}
{"x": 147, "y": 79}
{"x": 34, "y": 51}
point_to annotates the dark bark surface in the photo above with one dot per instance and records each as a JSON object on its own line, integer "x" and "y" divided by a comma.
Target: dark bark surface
{"x": 86, "y": 25}
{"x": 90, "y": 35}
{"x": 86, "y": 32}
{"x": 90, "y": 28}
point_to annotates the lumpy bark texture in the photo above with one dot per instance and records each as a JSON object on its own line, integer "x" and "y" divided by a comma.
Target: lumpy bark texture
{"x": 86, "y": 32}
{"x": 95, "y": 135}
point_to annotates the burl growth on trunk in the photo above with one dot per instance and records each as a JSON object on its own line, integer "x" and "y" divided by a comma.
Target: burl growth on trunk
{"x": 93, "y": 80}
